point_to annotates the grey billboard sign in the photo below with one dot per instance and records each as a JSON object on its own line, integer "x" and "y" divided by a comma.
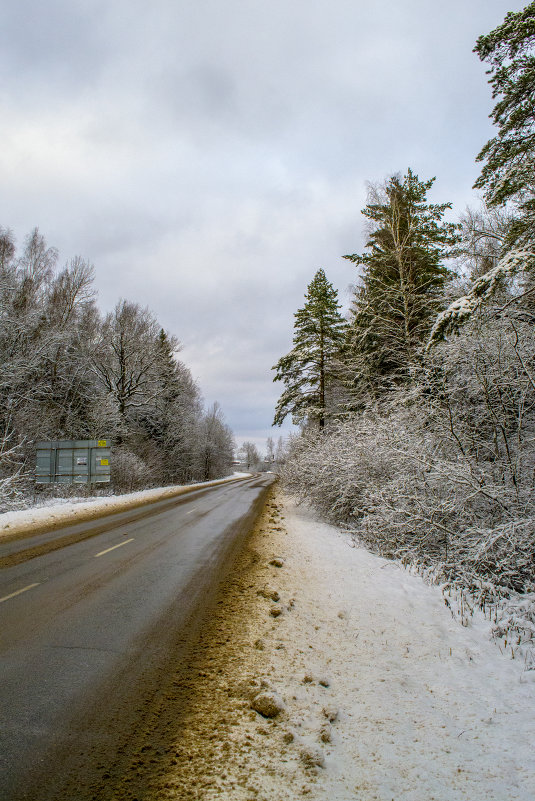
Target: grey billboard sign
{"x": 67, "y": 461}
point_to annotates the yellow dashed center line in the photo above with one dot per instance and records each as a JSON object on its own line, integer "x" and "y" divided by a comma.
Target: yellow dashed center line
{"x": 113, "y": 547}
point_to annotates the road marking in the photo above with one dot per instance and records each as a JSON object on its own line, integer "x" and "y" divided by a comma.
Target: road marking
{"x": 24, "y": 589}
{"x": 113, "y": 547}
{"x": 193, "y": 510}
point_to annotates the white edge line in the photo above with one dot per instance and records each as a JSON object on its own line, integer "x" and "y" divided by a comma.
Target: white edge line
{"x": 18, "y": 592}
{"x": 113, "y": 547}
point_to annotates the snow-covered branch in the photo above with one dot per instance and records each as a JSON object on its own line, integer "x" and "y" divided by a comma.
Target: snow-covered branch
{"x": 462, "y": 309}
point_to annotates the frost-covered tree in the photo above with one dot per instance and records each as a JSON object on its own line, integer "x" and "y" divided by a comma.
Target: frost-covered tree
{"x": 309, "y": 370}
{"x": 126, "y": 355}
{"x": 45, "y": 381}
{"x": 248, "y": 454}
{"x": 216, "y": 445}
{"x": 508, "y": 172}
{"x": 507, "y": 177}
{"x": 12, "y": 478}
{"x": 172, "y": 416}
{"x": 483, "y": 289}
{"x": 483, "y": 235}
{"x": 66, "y": 373}
{"x": 281, "y": 452}
{"x": 270, "y": 450}
{"x": 402, "y": 279}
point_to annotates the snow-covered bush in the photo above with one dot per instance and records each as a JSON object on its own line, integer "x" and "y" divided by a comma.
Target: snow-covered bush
{"x": 442, "y": 474}
{"x": 128, "y": 472}
{"x": 13, "y": 480}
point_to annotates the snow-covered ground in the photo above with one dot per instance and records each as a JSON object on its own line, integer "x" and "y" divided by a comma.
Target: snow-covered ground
{"x": 429, "y": 709}
{"x": 385, "y": 695}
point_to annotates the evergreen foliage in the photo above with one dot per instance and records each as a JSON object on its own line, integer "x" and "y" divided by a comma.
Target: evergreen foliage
{"x": 401, "y": 284}
{"x": 309, "y": 370}
{"x": 508, "y": 173}
{"x": 439, "y": 471}
{"x": 481, "y": 290}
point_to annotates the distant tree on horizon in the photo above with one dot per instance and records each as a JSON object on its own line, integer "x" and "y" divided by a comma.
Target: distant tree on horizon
{"x": 270, "y": 450}
{"x": 249, "y": 455}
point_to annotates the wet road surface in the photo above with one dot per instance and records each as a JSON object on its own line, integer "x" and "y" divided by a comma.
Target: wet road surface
{"x": 89, "y": 632}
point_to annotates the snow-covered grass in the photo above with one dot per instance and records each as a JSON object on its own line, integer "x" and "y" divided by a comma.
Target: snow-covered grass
{"x": 512, "y": 619}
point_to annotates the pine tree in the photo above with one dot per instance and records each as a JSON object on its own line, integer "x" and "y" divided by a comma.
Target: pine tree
{"x": 308, "y": 371}
{"x": 401, "y": 283}
{"x": 508, "y": 173}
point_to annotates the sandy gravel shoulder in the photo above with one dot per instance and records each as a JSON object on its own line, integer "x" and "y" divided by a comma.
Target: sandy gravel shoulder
{"x": 370, "y": 690}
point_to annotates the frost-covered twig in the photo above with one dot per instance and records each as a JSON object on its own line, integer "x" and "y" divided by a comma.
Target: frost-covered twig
{"x": 12, "y": 477}
{"x": 462, "y": 309}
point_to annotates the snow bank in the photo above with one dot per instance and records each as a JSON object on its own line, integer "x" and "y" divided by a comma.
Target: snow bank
{"x": 63, "y": 513}
{"x": 428, "y": 709}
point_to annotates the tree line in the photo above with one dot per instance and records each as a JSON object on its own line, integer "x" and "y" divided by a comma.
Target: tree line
{"x": 71, "y": 372}
{"x": 417, "y": 409}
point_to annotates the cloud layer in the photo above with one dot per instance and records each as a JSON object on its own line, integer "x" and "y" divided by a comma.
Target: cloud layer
{"x": 208, "y": 157}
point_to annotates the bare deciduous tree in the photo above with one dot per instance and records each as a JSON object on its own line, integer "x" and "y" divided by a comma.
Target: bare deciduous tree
{"x": 249, "y": 456}
{"x": 69, "y": 374}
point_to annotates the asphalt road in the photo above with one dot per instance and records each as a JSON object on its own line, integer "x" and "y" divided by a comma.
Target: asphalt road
{"x": 89, "y": 632}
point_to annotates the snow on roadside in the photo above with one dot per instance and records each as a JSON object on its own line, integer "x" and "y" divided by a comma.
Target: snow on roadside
{"x": 385, "y": 696}
{"x": 57, "y": 511}
{"x": 428, "y": 709}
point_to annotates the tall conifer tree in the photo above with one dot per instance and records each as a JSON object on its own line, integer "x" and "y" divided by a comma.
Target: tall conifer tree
{"x": 308, "y": 371}
{"x": 508, "y": 172}
{"x": 401, "y": 282}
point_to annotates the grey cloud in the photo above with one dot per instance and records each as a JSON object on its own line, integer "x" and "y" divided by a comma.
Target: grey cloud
{"x": 51, "y": 48}
{"x": 208, "y": 157}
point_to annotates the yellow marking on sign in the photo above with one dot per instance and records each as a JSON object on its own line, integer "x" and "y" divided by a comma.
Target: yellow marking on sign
{"x": 104, "y": 462}
{"x": 102, "y": 443}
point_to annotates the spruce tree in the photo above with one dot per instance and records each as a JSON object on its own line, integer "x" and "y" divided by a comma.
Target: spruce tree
{"x": 401, "y": 283}
{"x": 308, "y": 371}
{"x": 508, "y": 173}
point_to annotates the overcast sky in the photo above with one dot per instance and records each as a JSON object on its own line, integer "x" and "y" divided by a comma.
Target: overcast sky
{"x": 208, "y": 156}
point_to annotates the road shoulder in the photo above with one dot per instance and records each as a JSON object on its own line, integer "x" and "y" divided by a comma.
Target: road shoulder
{"x": 382, "y": 694}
